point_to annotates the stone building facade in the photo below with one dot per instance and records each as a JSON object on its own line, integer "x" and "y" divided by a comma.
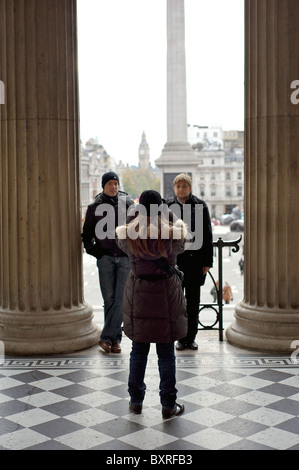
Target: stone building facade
{"x": 220, "y": 168}
{"x": 220, "y": 180}
{"x": 94, "y": 162}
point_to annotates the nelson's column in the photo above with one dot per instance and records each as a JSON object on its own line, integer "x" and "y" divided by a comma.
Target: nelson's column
{"x": 177, "y": 154}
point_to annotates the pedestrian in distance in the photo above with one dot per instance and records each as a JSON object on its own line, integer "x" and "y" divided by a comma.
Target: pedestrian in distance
{"x": 154, "y": 306}
{"x": 241, "y": 264}
{"x": 195, "y": 263}
{"x": 227, "y": 294}
{"x": 108, "y": 210}
{"x": 214, "y": 291}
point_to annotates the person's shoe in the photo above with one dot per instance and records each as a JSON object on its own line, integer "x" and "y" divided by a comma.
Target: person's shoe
{"x": 175, "y": 411}
{"x": 136, "y": 409}
{"x": 105, "y": 345}
{"x": 115, "y": 348}
{"x": 193, "y": 346}
{"x": 179, "y": 346}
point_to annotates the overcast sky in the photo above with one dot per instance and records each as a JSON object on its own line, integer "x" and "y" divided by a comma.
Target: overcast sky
{"x": 122, "y": 70}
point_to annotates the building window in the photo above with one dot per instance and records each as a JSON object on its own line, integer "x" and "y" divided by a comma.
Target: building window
{"x": 213, "y": 190}
{"x": 227, "y": 175}
{"x": 239, "y": 175}
{"x": 84, "y": 171}
{"x": 85, "y": 193}
{"x": 228, "y": 192}
{"x": 239, "y": 191}
{"x": 213, "y": 161}
{"x": 213, "y": 177}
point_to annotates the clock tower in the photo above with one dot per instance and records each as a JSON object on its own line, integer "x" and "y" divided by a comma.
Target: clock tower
{"x": 144, "y": 153}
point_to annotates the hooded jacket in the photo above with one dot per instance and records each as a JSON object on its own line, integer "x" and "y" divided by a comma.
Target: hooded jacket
{"x": 154, "y": 307}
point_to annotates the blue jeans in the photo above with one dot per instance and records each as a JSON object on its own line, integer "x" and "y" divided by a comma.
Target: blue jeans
{"x": 167, "y": 371}
{"x": 113, "y": 272}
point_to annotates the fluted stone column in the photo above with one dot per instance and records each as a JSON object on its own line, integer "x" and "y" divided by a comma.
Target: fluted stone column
{"x": 42, "y": 309}
{"x": 268, "y": 316}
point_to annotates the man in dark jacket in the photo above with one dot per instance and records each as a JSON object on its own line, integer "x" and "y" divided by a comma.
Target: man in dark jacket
{"x": 195, "y": 263}
{"x": 108, "y": 210}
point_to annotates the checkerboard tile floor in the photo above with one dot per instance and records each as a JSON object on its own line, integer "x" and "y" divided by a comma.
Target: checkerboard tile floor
{"x": 233, "y": 402}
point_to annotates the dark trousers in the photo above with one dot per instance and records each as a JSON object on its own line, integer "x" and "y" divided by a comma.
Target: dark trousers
{"x": 167, "y": 371}
{"x": 193, "y": 280}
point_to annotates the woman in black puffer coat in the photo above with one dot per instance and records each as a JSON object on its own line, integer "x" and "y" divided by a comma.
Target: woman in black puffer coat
{"x": 154, "y": 307}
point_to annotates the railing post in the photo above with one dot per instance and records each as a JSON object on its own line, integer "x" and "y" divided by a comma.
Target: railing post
{"x": 219, "y": 244}
{"x": 220, "y": 287}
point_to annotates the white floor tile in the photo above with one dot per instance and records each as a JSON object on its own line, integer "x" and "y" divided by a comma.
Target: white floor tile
{"x": 8, "y": 382}
{"x": 51, "y": 383}
{"x": 42, "y": 399}
{"x": 207, "y": 417}
{"x": 91, "y": 417}
{"x": 203, "y": 398}
{"x": 32, "y": 417}
{"x": 276, "y": 438}
{"x": 212, "y": 439}
{"x": 255, "y": 397}
{"x": 252, "y": 383}
{"x": 266, "y": 416}
{"x": 21, "y": 439}
{"x": 96, "y": 399}
{"x": 148, "y": 439}
{"x": 201, "y": 383}
{"x": 83, "y": 439}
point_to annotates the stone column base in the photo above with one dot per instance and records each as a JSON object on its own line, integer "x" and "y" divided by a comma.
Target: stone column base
{"x": 264, "y": 329}
{"x": 53, "y": 333}
{"x": 179, "y": 153}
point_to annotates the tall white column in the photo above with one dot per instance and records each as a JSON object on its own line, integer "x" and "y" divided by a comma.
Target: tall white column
{"x": 176, "y": 73}
{"x": 268, "y": 316}
{"x": 42, "y": 309}
{"x": 177, "y": 154}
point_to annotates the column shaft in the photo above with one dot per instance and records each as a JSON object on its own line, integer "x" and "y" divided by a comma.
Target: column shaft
{"x": 177, "y": 154}
{"x": 41, "y": 296}
{"x": 268, "y": 317}
{"x": 176, "y": 73}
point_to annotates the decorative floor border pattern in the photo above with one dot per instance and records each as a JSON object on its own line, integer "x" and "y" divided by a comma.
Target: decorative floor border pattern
{"x": 207, "y": 361}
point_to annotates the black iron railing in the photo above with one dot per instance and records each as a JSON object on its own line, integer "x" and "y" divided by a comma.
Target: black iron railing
{"x": 217, "y": 307}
